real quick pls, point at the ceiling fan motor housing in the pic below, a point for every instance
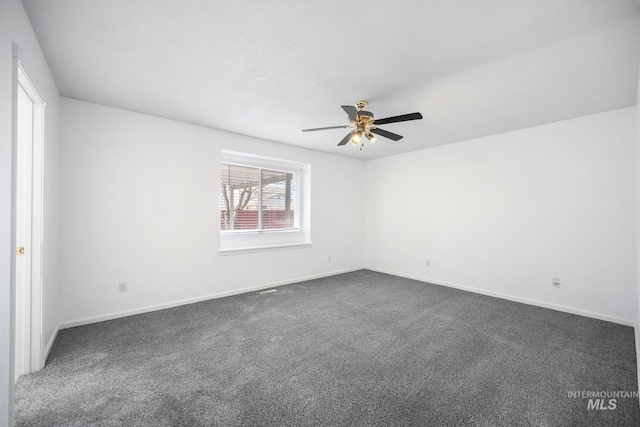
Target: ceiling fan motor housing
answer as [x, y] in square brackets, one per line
[365, 118]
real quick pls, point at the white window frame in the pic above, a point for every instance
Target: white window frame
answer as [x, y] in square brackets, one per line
[240, 241]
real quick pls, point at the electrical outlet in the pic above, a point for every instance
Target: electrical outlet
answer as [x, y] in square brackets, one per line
[427, 263]
[122, 287]
[555, 283]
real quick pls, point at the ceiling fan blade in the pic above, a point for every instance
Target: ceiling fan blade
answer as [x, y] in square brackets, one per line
[387, 134]
[351, 111]
[330, 127]
[346, 139]
[395, 119]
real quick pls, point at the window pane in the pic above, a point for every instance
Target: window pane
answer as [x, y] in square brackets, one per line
[239, 198]
[278, 196]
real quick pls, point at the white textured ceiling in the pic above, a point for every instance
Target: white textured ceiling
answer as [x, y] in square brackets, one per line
[271, 68]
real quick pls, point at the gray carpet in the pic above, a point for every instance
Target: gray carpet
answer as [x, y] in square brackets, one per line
[362, 348]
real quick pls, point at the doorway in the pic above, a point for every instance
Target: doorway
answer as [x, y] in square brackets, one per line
[29, 127]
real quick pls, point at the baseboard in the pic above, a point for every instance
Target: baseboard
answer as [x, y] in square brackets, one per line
[49, 345]
[150, 308]
[514, 298]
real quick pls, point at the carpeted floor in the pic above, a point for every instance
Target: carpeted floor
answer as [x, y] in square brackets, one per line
[361, 348]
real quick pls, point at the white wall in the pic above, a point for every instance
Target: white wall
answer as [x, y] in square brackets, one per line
[504, 214]
[140, 205]
[15, 28]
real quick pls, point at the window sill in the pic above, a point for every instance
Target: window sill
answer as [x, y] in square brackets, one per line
[235, 251]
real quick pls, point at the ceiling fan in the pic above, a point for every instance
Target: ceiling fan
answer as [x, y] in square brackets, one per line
[363, 124]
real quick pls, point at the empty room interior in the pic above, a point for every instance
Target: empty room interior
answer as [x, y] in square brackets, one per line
[218, 213]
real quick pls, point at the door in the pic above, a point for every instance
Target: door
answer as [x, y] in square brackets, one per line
[29, 184]
[23, 232]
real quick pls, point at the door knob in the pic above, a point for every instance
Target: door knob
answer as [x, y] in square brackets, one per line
[20, 250]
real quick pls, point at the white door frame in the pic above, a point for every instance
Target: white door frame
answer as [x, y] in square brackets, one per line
[29, 298]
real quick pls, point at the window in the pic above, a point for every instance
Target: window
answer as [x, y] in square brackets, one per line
[257, 199]
[264, 203]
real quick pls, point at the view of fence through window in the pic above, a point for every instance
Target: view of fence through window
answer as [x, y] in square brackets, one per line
[253, 198]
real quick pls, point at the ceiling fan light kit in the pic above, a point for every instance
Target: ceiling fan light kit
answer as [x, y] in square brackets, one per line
[364, 123]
